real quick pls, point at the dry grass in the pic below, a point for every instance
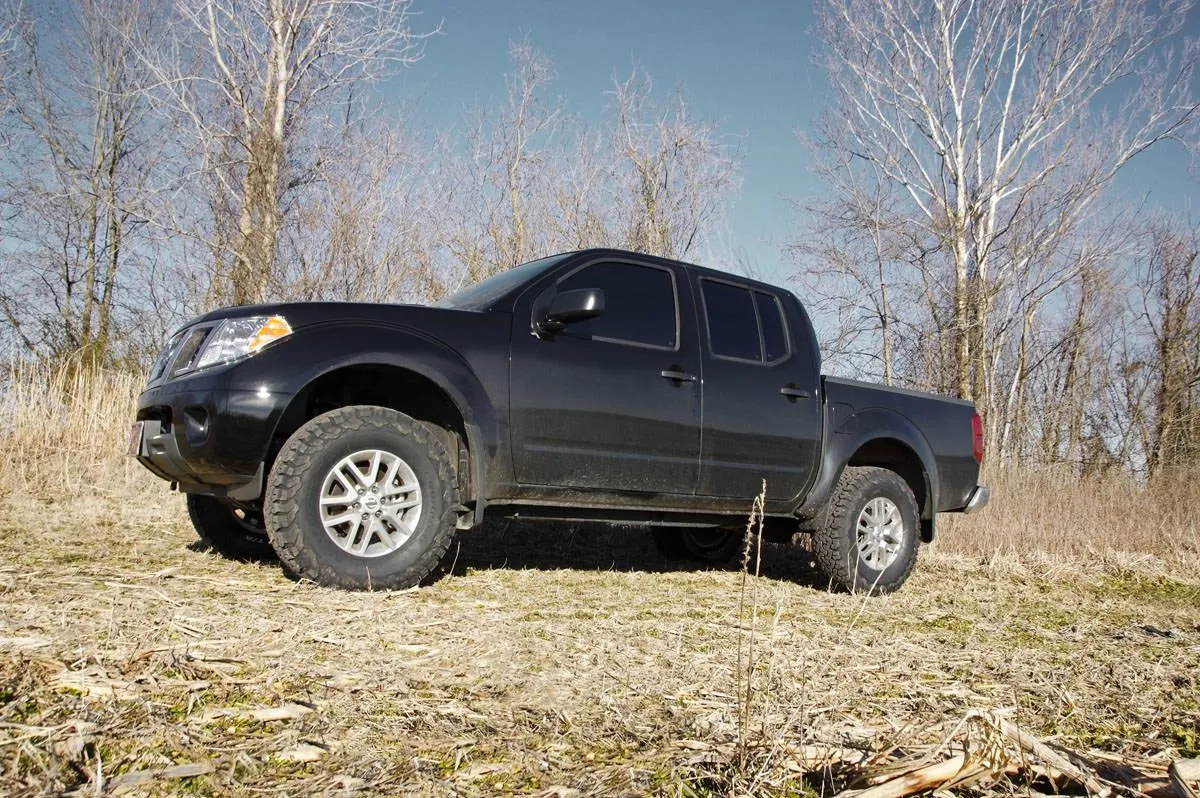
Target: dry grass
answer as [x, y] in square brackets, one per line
[55, 422]
[1044, 517]
[552, 659]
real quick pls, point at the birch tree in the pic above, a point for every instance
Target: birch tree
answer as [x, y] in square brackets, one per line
[999, 125]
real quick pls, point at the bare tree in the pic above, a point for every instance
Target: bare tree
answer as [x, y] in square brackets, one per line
[368, 227]
[501, 176]
[678, 174]
[1169, 283]
[10, 15]
[258, 81]
[75, 186]
[530, 179]
[998, 126]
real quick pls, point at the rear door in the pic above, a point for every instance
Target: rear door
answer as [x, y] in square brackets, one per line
[761, 412]
[611, 403]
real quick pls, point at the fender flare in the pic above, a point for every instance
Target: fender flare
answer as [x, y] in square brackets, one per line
[854, 431]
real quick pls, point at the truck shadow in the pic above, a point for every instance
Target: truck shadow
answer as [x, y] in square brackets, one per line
[552, 546]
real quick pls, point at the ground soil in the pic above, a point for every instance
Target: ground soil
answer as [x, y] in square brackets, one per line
[552, 660]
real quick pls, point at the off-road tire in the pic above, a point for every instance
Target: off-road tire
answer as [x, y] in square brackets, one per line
[294, 489]
[835, 544]
[232, 532]
[717, 545]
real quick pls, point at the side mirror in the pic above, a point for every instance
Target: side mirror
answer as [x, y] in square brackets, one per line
[572, 306]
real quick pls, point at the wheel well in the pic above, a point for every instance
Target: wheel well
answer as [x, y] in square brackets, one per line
[895, 456]
[385, 386]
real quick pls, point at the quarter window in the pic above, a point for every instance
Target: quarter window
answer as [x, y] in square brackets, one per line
[639, 304]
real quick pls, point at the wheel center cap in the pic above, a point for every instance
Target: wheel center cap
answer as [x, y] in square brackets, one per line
[370, 503]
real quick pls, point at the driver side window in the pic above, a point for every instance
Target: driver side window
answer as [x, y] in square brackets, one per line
[639, 305]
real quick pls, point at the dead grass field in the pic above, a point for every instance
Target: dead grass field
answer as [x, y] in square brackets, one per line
[563, 660]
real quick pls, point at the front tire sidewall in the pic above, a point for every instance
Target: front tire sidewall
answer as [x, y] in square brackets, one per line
[294, 489]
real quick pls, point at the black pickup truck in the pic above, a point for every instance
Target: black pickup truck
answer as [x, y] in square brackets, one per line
[352, 440]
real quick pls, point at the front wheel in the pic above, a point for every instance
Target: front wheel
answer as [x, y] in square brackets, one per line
[869, 541]
[362, 498]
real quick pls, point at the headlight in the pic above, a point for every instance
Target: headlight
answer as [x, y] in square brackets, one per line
[234, 339]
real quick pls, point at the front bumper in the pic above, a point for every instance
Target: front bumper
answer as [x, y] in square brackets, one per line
[978, 499]
[208, 440]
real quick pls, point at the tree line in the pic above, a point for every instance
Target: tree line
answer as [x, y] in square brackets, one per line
[165, 157]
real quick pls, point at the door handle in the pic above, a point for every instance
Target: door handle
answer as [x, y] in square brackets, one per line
[678, 376]
[794, 393]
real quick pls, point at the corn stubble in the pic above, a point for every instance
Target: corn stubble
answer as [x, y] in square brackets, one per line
[1051, 644]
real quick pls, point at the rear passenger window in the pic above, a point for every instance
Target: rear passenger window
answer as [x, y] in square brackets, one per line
[639, 304]
[770, 316]
[744, 324]
[732, 326]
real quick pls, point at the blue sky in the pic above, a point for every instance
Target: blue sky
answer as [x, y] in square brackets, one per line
[745, 65]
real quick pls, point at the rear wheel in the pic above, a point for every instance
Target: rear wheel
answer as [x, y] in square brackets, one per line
[700, 544]
[362, 498]
[232, 531]
[869, 541]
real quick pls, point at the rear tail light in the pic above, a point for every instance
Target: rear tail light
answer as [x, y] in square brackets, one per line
[977, 437]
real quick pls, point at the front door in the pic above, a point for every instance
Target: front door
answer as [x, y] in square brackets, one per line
[611, 403]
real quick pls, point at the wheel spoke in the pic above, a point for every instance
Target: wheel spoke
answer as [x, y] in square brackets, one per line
[403, 528]
[389, 477]
[383, 533]
[880, 533]
[359, 476]
[341, 519]
[352, 532]
[346, 484]
[399, 490]
[368, 534]
[373, 472]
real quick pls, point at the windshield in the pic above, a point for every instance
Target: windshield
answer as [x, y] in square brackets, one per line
[484, 294]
